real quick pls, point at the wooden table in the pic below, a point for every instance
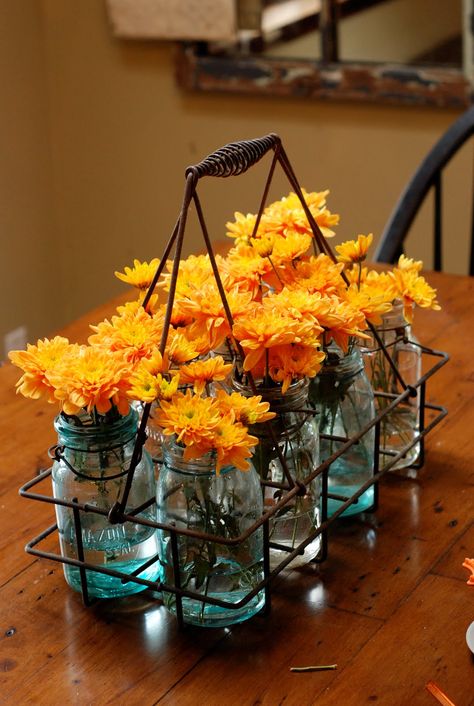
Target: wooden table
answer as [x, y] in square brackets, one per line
[390, 606]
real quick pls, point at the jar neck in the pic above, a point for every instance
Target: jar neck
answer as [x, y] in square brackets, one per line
[294, 399]
[342, 365]
[82, 433]
[173, 458]
[394, 319]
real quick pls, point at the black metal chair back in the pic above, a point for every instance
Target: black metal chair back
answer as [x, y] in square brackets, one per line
[428, 175]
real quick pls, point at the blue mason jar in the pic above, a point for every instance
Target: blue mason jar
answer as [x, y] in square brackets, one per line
[343, 396]
[399, 427]
[296, 433]
[192, 496]
[91, 467]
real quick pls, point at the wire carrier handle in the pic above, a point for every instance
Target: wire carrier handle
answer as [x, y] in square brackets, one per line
[235, 158]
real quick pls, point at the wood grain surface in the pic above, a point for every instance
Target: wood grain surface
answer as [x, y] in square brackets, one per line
[390, 606]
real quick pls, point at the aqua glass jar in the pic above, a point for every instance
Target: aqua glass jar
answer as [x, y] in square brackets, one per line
[296, 431]
[398, 427]
[343, 396]
[154, 440]
[91, 468]
[192, 496]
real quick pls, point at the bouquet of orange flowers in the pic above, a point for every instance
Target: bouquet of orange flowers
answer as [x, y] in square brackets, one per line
[402, 288]
[310, 310]
[287, 306]
[125, 363]
[122, 363]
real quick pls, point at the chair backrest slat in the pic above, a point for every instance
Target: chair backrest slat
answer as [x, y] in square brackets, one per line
[427, 175]
[438, 223]
[471, 259]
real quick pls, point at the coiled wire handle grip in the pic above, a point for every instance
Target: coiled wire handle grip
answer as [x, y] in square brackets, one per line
[235, 158]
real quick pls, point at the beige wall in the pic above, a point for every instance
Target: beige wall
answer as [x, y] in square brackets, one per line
[26, 226]
[122, 134]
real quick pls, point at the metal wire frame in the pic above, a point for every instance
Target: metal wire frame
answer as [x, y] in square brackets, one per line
[232, 160]
[264, 521]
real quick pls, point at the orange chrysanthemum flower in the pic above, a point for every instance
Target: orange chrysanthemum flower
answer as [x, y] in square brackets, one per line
[326, 221]
[141, 274]
[36, 362]
[331, 315]
[148, 387]
[92, 377]
[293, 362]
[413, 289]
[242, 228]
[406, 263]
[299, 304]
[266, 328]
[129, 308]
[315, 274]
[376, 283]
[287, 215]
[201, 344]
[263, 245]
[232, 444]
[134, 333]
[288, 249]
[247, 410]
[371, 302]
[208, 424]
[245, 269]
[148, 381]
[191, 418]
[202, 372]
[341, 321]
[469, 564]
[353, 251]
[156, 363]
[358, 275]
[194, 272]
[178, 318]
[209, 314]
[379, 284]
[180, 349]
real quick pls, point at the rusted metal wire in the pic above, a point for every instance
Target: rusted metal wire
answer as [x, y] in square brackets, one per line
[322, 468]
[235, 158]
[174, 532]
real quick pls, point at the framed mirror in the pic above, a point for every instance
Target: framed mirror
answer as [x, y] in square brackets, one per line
[413, 52]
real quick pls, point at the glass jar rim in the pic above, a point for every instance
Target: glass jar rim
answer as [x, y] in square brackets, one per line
[395, 318]
[173, 455]
[295, 396]
[106, 435]
[347, 365]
